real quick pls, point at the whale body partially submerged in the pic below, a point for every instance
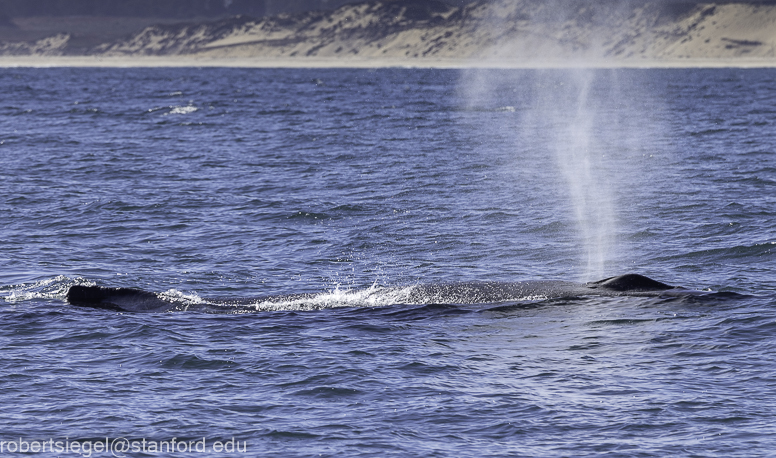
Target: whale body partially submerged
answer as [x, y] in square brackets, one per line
[136, 300]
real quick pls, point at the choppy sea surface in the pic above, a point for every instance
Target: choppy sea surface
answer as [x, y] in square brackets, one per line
[195, 183]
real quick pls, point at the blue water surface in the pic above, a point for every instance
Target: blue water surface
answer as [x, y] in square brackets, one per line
[225, 182]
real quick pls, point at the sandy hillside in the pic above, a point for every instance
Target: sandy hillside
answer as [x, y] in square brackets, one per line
[500, 32]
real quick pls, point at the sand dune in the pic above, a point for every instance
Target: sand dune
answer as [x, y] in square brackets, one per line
[499, 33]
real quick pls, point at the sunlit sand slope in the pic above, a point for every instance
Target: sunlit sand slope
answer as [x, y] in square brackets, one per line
[526, 31]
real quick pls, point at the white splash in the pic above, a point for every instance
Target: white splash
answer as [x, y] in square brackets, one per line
[183, 110]
[50, 288]
[374, 296]
[173, 295]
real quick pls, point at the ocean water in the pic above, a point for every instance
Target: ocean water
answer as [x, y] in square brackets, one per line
[195, 183]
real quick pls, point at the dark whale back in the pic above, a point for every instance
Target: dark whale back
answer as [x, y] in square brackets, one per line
[630, 282]
[136, 300]
[120, 299]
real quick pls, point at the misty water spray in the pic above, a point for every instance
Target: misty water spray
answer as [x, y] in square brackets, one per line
[582, 161]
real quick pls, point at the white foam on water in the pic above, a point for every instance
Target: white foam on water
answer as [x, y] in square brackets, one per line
[374, 296]
[50, 288]
[173, 295]
[183, 110]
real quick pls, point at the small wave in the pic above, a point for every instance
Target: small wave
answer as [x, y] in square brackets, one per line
[420, 312]
[174, 109]
[710, 297]
[734, 252]
[478, 109]
[308, 215]
[708, 132]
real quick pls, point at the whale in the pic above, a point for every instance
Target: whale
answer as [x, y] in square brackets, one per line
[125, 299]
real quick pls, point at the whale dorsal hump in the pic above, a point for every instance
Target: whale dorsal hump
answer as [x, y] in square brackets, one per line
[121, 299]
[630, 282]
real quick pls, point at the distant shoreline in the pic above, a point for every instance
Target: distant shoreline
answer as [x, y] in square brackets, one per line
[495, 34]
[318, 62]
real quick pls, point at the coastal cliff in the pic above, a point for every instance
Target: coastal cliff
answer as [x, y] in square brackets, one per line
[494, 31]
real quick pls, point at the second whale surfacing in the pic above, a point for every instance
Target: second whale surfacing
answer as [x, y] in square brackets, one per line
[136, 300]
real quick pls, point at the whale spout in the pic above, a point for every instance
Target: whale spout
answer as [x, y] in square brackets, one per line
[630, 282]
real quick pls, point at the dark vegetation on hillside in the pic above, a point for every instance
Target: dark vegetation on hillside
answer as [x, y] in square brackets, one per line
[218, 8]
[159, 8]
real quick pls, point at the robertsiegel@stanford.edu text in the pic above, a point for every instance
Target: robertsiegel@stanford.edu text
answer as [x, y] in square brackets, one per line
[119, 446]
